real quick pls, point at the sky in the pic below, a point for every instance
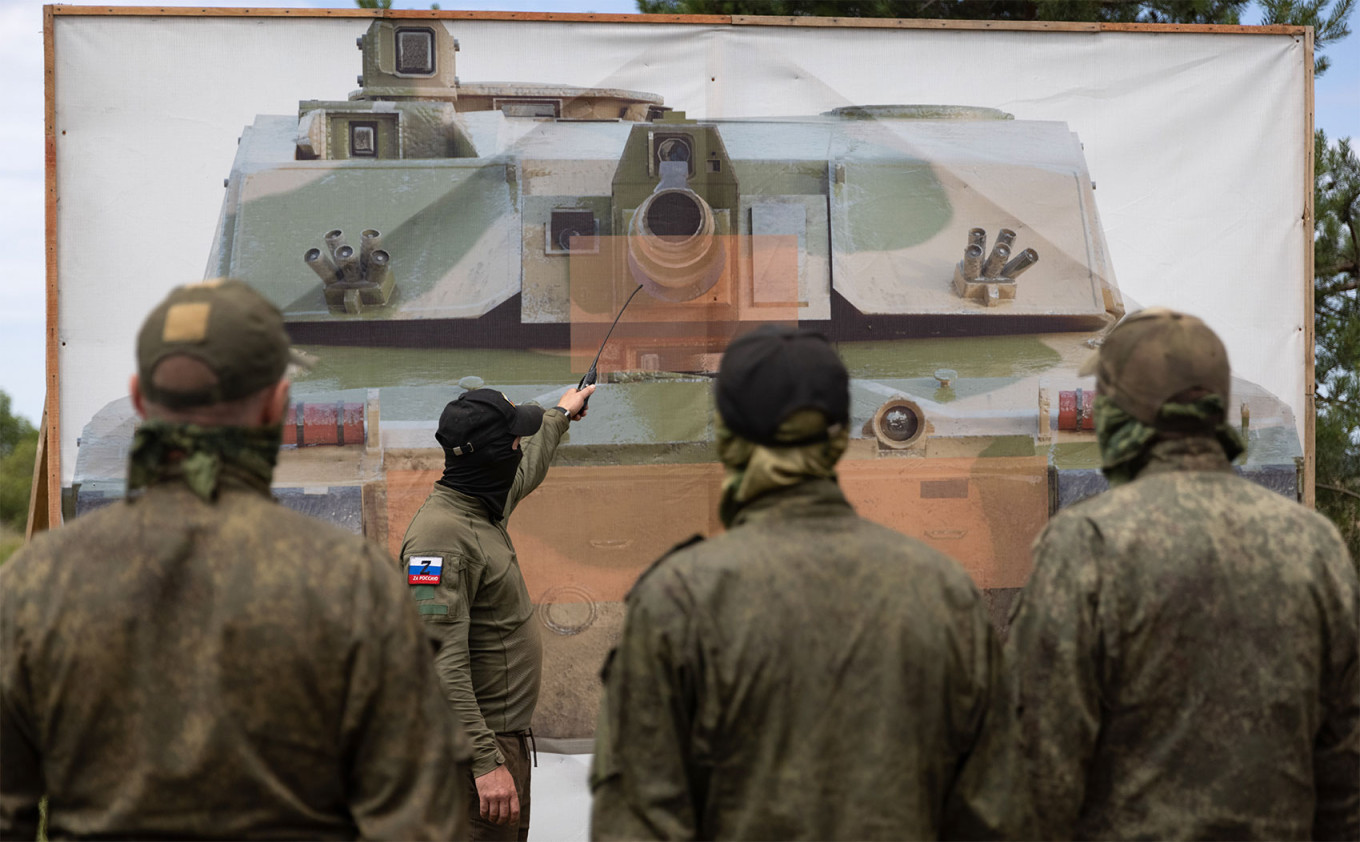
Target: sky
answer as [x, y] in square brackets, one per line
[22, 261]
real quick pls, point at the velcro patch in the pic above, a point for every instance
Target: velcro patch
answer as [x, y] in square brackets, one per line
[186, 322]
[424, 569]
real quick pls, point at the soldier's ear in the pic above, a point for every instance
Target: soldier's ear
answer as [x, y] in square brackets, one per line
[275, 408]
[138, 402]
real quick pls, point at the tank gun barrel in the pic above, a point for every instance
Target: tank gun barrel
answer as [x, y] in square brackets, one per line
[673, 249]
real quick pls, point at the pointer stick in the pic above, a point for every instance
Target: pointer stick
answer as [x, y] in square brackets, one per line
[592, 374]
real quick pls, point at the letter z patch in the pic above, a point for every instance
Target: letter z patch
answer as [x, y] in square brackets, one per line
[424, 569]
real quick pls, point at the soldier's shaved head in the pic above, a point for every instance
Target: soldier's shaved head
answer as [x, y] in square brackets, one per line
[185, 375]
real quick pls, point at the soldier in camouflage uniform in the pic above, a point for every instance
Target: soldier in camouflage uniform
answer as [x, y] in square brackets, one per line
[1185, 651]
[466, 580]
[197, 660]
[808, 674]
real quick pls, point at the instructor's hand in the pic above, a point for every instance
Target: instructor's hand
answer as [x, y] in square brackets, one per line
[574, 402]
[500, 802]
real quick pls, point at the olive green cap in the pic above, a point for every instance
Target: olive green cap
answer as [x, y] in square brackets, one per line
[225, 325]
[1154, 355]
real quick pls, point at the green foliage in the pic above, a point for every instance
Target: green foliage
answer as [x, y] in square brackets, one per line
[10, 542]
[18, 450]
[16, 481]
[1328, 26]
[1327, 17]
[1336, 323]
[1162, 11]
[13, 429]
[384, 4]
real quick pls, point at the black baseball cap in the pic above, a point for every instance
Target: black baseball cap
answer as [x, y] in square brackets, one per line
[480, 415]
[771, 373]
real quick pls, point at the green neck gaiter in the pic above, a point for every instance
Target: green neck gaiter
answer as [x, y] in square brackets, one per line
[200, 456]
[752, 469]
[1124, 440]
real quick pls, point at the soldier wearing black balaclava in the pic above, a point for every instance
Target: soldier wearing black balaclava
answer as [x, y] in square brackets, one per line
[1187, 650]
[808, 674]
[467, 584]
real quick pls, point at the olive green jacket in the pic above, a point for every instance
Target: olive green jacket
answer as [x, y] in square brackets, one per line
[173, 668]
[806, 675]
[1185, 656]
[488, 653]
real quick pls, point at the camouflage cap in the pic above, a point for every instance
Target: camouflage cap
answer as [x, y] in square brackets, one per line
[1154, 355]
[225, 325]
[772, 372]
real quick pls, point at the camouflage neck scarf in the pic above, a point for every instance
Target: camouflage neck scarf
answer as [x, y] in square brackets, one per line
[200, 456]
[752, 470]
[1125, 441]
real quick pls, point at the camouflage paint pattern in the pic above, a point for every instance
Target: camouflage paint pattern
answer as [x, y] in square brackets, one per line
[489, 656]
[1185, 658]
[806, 675]
[176, 668]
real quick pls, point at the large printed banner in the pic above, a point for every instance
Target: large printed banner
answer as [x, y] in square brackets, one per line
[514, 202]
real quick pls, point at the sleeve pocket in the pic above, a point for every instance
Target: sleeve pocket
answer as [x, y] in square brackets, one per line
[434, 578]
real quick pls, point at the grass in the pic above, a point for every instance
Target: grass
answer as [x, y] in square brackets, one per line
[10, 541]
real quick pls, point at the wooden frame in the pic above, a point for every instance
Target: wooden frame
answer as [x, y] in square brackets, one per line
[52, 426]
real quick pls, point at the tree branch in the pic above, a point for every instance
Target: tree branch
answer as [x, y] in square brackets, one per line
[1331, 400]
[1338, 489]
[1336, 268]
[1343, 286]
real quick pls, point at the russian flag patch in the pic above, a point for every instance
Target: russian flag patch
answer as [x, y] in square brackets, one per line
[424, 569]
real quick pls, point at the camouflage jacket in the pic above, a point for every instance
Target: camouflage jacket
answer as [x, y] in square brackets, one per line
[489, 656]
[806, 675]
[1185, 658]
[174, 668]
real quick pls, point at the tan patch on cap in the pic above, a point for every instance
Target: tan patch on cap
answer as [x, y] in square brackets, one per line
[187, 322]
[210, 284]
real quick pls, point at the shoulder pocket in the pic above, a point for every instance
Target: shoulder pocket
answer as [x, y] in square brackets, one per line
[434, 579]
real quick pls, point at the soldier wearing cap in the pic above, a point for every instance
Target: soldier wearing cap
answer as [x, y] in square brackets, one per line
[467, 584]
[198, 661]
[808, 674]
[1186, 650]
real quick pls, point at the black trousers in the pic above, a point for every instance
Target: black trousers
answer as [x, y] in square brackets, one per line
[514, 748]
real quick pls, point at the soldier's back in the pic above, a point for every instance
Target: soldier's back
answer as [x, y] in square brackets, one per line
[195, 669]
[1227, 628]
[842, 672]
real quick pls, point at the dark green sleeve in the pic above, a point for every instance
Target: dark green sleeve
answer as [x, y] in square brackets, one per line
[539, 450]
[644, 785]
[988, 798]
[21, 779]
[1054, 651]
[398, 734]
[445, 610]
